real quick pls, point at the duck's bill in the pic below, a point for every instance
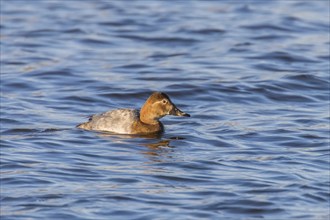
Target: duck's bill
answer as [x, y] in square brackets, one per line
[178, 112]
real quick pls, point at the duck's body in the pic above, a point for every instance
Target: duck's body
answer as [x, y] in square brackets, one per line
[133, 121]
[121, 121]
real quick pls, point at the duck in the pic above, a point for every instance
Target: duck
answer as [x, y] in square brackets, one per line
[134, 121]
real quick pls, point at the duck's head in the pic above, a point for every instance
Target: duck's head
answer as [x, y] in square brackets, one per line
[157, 106]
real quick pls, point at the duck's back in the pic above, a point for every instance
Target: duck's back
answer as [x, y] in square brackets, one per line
[119, 121]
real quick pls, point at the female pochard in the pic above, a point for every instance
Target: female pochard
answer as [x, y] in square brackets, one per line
[133, 121]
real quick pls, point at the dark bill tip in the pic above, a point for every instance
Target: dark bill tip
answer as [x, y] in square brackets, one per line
[178, 112]
[185, 114]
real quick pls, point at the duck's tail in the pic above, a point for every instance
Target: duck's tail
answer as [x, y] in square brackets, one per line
[85, 126]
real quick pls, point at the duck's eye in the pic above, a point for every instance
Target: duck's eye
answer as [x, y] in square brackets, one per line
[164, 101]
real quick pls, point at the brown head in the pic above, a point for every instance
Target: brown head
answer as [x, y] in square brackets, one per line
[157, 106]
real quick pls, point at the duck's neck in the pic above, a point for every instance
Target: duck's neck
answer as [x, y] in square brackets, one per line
[147, 117]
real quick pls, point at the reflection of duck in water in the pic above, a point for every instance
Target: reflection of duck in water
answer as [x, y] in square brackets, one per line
[157, 145]
[161, 148]
[133, 121]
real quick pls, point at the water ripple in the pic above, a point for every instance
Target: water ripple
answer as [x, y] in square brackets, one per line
[254, 77]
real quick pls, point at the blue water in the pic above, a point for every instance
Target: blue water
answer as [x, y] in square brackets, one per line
[254, 75]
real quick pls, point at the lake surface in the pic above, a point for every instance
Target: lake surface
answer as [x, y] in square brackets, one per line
[254, 76]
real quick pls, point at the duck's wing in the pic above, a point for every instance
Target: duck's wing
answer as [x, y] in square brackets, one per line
[118, 121]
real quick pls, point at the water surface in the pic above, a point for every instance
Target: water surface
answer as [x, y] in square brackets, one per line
[253, 75]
